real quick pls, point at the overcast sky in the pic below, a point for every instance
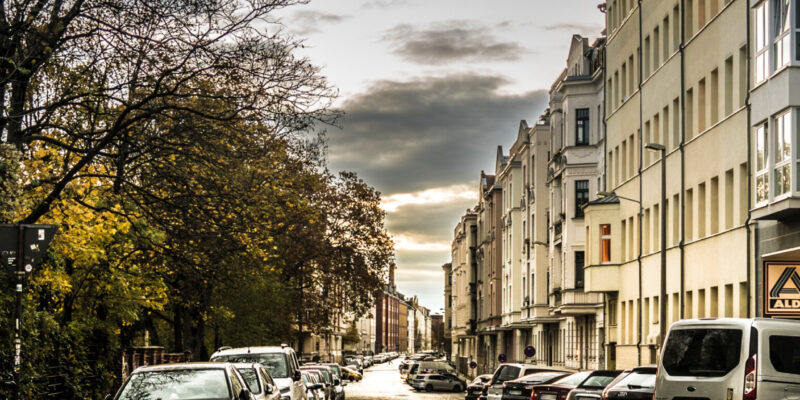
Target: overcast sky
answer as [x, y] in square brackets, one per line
[430, 88]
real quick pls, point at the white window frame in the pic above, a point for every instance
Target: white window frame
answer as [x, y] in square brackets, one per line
[782, 42]
[783, 160]
[761, 40]
[762, 163]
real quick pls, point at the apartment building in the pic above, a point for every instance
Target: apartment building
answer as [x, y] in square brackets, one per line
[463, 275]
[448, 300]
[490, 270]
[775, 155]
[676, 79]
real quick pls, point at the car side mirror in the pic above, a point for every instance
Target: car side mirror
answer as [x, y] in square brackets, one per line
[244, 394]
[267, 388]
[336, 382]
[297, 376]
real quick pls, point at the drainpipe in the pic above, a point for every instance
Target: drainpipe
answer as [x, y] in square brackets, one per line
[750, 233]
[682, 241]
[639, 253]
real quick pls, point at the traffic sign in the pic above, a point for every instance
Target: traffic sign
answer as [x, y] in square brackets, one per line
[530, 351]
[36, 241]
[501, 358]
[473, 365]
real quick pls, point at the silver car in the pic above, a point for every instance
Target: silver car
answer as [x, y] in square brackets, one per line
[258, 381]
[431, 382]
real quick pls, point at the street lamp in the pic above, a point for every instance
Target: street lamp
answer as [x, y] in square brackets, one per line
[662, 312]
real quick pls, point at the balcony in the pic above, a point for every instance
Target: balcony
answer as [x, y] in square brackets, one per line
[602, 278]
[576, 302]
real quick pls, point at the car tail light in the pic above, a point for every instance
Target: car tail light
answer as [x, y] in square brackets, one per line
[534, 396]
[750, 378]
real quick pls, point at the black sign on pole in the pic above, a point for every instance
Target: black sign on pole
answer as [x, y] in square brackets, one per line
[21, 249]
[530, 351]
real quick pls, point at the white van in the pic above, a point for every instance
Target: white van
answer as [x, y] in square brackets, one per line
[724, 359]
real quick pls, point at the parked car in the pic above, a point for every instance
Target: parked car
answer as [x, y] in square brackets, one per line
[509, 372]
[280, 361]
[636, 384]
[593, 386]
[314, 389]
[258, 381]
[326, 378]
[319, 377]
[731, 358]
[339, 382]
[444, 382]
[351, 374]
[520, 388]
[475, 387]
[559, 389]
[181, 381]
[429, 367]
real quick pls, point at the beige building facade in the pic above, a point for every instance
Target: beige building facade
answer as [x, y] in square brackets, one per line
[464, 280]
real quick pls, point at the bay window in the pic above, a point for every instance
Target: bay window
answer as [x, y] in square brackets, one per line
[762, 169]
[781, 27]
[761, 38]
[783, 154]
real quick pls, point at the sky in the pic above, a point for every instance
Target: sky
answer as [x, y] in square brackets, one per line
[429, 89]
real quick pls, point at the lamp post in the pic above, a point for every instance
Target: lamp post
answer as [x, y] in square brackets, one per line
[662, 312]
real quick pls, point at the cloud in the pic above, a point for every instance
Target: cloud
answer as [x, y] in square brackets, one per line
[584, 29]
[384, 3]
[427, 197]
[305, 22]
[435, 132]
[447, 42]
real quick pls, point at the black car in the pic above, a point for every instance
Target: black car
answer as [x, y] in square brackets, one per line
[475, 388]
[520, 389]
[594, 385]
[638, 385]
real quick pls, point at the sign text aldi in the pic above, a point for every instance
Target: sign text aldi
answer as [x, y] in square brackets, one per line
[782, 289]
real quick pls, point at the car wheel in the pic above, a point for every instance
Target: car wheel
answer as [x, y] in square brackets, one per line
[457, 388]
[429, 388]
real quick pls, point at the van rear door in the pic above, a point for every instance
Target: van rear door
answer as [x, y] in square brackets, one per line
[703, 361]
[779, 363]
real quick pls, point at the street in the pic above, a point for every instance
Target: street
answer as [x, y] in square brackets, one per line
[383, 381]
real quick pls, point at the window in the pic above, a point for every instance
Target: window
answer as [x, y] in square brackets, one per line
[785, 353]
[579, 263]
[581, 197]
[605, 243]
[780, 30]
[582, 127]
[702, 352]
[762, 172]
[783, 153]
[762, 50]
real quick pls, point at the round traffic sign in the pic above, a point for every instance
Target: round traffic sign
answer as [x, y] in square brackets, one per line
[28, 268]
[473, 365]
[501, 358]
[530, 351]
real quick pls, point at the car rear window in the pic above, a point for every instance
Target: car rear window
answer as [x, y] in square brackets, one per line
[506, 373]
[573, 380]
[540, 377]
[702, 352]
[177, 384]
[637, 380]
[275, 363]
[784, 353]
[597, 382]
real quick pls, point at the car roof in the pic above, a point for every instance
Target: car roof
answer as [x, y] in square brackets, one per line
[183, 366]
[737, 322]
[253, 350]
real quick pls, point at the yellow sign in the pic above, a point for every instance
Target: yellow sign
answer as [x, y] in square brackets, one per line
[782, 289]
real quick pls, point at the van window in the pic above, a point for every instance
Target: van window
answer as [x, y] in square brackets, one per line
[784, 353]
[702, 352]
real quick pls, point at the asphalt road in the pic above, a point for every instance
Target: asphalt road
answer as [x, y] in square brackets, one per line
[383, 382]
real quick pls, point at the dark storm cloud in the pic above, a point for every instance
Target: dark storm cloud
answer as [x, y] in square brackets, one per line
[428, 222]
[307, 21]
[451, 41]
[405, 136]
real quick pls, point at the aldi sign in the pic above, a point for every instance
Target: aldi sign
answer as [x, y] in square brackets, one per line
[782, 289]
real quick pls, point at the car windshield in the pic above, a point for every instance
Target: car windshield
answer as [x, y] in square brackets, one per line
[336, 371]
[702, 352]
[506, 373]
[572, 380]
[480, 379]
[597, 382]
[275, 363]
[637, 381]
[249, 375]
[189, 384]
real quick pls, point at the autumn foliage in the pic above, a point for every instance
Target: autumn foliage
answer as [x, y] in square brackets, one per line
[175, 145]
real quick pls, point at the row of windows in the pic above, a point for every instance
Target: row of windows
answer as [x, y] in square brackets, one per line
[701, 12]
[698, 304]
[661, 42]
[703, 106]
[618, 10]
[622, 84]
